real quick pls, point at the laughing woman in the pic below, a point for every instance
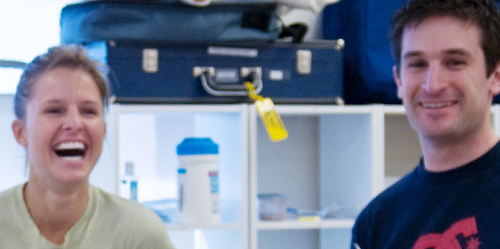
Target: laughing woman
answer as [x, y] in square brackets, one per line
[59, 107]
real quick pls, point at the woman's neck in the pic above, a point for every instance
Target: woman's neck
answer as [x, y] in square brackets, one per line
[55, 211]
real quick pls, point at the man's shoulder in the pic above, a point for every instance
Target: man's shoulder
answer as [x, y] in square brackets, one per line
[391, 198]
[400, 187]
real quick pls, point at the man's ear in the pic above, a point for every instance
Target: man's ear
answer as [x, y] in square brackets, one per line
[495, 81]
[20, 132]
[399, 84]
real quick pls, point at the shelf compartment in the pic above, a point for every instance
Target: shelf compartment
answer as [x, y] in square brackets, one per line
[148, 136]
[327, 159]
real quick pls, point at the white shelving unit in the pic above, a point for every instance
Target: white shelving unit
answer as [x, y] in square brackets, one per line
[342, 155]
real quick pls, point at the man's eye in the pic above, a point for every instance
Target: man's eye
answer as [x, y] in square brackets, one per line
[53, 110]
[417, 64]
[455, 63]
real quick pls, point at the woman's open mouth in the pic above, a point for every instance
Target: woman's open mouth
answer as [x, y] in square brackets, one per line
[70, 150]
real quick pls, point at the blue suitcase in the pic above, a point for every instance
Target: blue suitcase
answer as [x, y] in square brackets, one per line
[215, 73]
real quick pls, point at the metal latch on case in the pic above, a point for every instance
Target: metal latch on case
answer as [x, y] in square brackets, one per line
[304, 61]
[150, 60]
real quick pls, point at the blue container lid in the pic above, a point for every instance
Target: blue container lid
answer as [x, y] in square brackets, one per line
[197, 146]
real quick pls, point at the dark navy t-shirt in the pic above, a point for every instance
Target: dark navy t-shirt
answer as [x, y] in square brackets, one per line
[456, 209]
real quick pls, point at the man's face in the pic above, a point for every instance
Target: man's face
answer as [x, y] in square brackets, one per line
[443, 81]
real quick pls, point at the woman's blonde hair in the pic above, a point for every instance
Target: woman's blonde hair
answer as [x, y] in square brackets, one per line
[68, 56]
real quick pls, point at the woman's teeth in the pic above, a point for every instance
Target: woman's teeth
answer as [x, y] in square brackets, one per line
[70, 146]
[70, 150]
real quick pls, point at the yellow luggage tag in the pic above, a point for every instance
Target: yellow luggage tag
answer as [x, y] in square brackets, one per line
[270, 118]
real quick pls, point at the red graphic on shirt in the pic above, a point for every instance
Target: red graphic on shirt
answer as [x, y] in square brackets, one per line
[465, 229]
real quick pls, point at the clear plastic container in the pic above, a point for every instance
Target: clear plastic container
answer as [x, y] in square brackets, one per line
[272, 206]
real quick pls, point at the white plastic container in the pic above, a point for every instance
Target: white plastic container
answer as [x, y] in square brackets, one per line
[198, 181]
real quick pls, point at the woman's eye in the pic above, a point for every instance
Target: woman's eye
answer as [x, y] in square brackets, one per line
[89, 111]
[53, 110]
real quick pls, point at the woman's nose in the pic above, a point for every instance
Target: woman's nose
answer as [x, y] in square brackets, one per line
[73, 120]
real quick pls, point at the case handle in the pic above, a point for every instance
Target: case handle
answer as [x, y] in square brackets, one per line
[207, 75]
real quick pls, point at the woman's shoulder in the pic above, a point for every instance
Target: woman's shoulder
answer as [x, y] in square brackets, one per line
[115, 203]
[127, 210]
[137, 223]
[14, 210]
[11, 194]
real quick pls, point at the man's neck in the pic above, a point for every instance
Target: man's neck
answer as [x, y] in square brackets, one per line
[442, 156]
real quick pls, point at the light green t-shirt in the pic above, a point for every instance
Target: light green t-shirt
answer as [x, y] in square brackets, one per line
[109, 222]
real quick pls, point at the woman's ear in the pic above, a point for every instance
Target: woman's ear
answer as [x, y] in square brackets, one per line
[20, 132]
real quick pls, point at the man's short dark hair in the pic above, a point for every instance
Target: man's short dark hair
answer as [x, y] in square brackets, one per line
[484, 13]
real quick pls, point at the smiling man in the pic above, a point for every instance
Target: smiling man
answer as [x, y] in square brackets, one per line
[447, 72]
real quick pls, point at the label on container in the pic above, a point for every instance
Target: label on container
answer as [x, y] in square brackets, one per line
[182, 173]
[133, 190]
[128, 188]
[198, 186]
[214, 189]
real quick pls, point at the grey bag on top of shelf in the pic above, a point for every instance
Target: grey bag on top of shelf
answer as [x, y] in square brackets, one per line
[169, 21]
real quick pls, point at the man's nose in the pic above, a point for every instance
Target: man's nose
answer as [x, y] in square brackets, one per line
[434, 79]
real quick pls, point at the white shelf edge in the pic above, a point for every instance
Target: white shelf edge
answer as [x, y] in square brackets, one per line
[393, 109]
[197, 108]
[221, 226]
[281, 108]
[296, 225]
[322, 109]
